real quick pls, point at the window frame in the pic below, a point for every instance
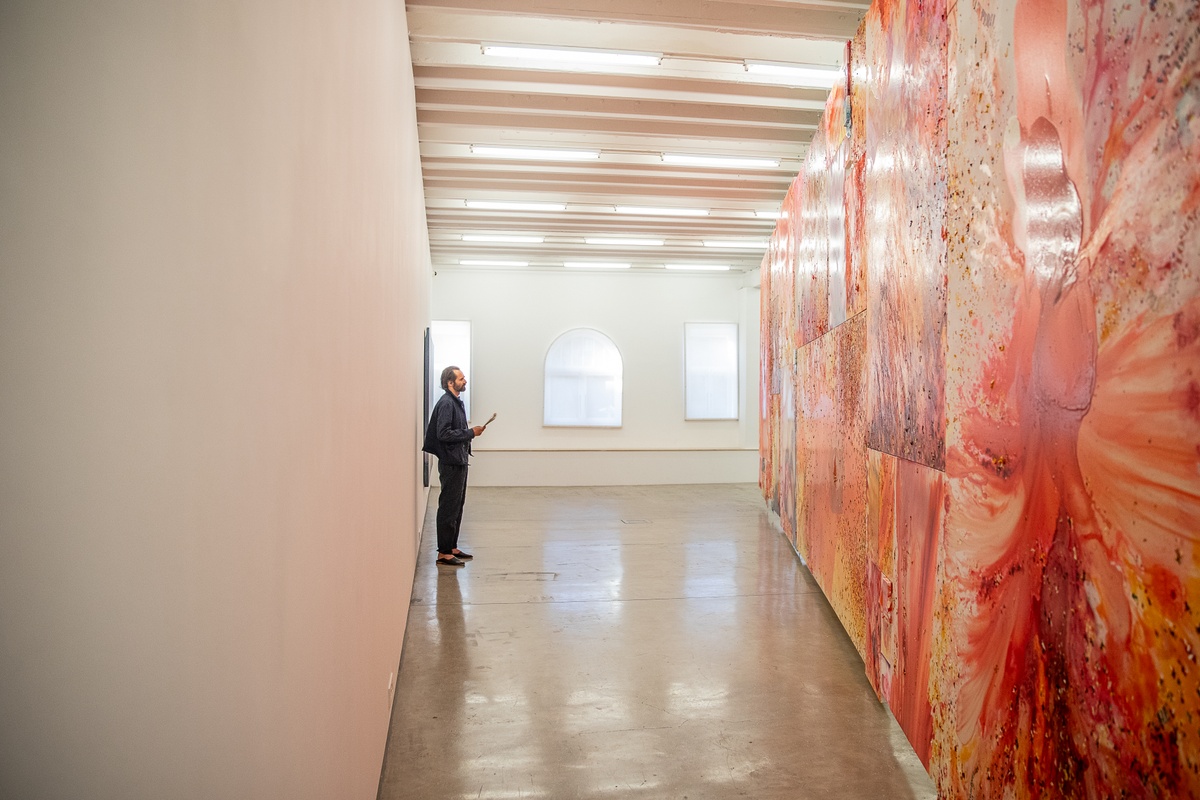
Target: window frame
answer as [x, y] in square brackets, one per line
[737, 373]
[620, 377]
[435, 369]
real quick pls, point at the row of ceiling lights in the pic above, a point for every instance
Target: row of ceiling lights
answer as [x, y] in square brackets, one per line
[487, 262]
[576, 154]
[801, 75]
[814, 76]
[581, 58]
[608, 241]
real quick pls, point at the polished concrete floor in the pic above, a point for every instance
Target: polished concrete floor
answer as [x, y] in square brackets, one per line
[632, 642]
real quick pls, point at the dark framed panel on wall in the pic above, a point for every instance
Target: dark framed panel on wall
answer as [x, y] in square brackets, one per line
[426, 382]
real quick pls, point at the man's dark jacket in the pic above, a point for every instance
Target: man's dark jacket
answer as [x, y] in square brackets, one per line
[448, 436]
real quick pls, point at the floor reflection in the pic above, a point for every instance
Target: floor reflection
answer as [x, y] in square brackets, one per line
[686, 655]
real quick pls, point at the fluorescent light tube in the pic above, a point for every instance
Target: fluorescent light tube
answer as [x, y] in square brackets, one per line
[740, 244]
[466, 262]
[595, 265]
[660, 211]
[534, 153]
[504, 205]
[719, 161]
[816, 77]
[502, 239]
[705, 267]
[623, 242]
[574, 56]
[769, 214]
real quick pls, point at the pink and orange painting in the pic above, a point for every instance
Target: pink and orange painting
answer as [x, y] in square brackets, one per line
[817, 440]
[1071, 597]
[854, 167]
[767, 368]
[904, 191]
[1004, 510]
[906, 503]
[832, 470]
[812, 246]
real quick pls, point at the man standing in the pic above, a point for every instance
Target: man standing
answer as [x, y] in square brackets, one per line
[449, 438]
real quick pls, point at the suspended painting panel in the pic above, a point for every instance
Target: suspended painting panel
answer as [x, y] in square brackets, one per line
[904, 201]
[828, 292]
[832, 470]
[1070, 603]
[906, 507]
[769, 371]
[855, 170]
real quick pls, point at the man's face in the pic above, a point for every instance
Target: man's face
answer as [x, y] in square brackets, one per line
[459, 383]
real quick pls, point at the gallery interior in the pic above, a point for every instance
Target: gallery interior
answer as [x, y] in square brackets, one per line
[844, 361]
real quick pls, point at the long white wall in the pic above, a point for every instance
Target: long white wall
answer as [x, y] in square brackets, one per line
[213, 283]
[515, 316]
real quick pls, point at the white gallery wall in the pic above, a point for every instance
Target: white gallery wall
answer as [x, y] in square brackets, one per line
[214, 280]
[515, 315]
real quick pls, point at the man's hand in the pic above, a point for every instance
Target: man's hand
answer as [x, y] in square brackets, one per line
[478, 429]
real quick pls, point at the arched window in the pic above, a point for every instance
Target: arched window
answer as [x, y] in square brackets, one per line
[583, 381]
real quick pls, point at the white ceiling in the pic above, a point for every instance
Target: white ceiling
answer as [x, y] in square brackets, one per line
[699, 100]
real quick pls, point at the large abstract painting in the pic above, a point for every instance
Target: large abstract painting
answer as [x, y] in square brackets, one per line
[904, 191]
[988, 328]
[1071, 581]
[832, 469]
[906, 504]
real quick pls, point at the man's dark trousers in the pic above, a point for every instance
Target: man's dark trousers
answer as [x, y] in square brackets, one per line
[450, 505]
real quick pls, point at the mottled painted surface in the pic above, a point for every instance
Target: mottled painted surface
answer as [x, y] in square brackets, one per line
[904, 196]
[1070, 601]
[768, 368]
[920, 509]
[905, 518]
[855, 172]
[881, 648]
[812, 247]
[785, 253]
[827, 291]
[816, 446]
[832, 470]
[1031, 612]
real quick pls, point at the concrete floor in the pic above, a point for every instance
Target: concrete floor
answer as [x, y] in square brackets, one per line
[632, 642]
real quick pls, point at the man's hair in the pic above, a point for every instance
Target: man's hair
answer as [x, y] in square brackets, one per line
[448, 375]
